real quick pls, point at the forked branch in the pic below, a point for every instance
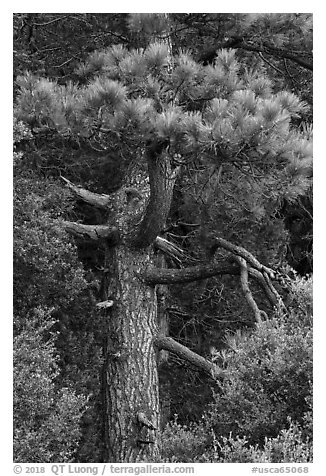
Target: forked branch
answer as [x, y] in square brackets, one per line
[245, 254]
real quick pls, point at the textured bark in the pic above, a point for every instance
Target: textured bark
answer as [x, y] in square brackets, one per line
[131, 378]
[162, 177]
[271, 293]
[187, 275]
[131, 386]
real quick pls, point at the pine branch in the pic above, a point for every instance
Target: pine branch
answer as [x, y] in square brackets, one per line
[92, 232]
[243, 253]
[246, 289]
[187, 275]
[278, 52]
[169, 344]
[95, 199]
[271, 293]
[258, 270]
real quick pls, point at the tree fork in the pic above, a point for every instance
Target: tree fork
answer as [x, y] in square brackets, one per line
[162, 177]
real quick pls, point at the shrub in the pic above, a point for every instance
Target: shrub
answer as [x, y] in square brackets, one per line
[262, 411]
[181, 443]
[46, 420]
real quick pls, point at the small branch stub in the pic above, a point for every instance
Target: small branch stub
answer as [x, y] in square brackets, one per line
[104, 304]
[144, 421]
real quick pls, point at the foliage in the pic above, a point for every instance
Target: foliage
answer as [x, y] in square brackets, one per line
[290, 446]
[263, 410]
[54, 43]
[183, 444]
[45, 261]
[49, 274]
[270, 379]
[46, 419]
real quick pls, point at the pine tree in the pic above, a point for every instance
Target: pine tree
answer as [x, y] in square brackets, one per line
[164, 116]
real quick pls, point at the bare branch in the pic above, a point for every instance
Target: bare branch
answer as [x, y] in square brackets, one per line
[51, 21]
[187, 275]
[260, 54]
[262, 273]
[170, 249]
[92, 232]
[104, 304]
[246, 290]
[167, 343]
[243, 253]
[278, 52]
[99, 200]
[271, 294]
[66, 62]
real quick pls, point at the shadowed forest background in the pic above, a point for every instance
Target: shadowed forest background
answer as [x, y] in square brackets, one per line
[162, 237]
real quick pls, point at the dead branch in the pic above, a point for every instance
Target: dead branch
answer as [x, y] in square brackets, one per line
[92, 232]
[167, 343]
[99, 200]
[188, 274]
[246, 289]
[243, 253]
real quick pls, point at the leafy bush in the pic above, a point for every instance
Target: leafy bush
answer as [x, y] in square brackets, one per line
[49, 275]
[289, 446]
[263, 409]
[192, 444]
[46, 419]
[270, 375]
[46, 267]
[182, 443]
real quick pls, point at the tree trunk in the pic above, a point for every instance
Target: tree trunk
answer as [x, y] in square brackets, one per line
[131, 377]
[131, 386]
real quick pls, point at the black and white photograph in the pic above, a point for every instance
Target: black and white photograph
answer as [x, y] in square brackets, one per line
[162, 241]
